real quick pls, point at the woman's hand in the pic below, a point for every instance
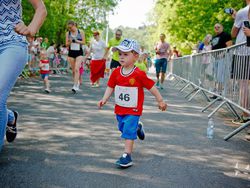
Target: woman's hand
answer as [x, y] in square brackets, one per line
[22, 29]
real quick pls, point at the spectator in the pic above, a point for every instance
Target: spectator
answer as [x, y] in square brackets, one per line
[207, 43]
[64, 55]
[241, 59]
[175, 52]
[141, 63]
[220, 40]
[200, 47]
[51, 54]
[30, 52]
[206, 65]
[45, 43]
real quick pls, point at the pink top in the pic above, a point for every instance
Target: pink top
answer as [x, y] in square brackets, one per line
[162, 50]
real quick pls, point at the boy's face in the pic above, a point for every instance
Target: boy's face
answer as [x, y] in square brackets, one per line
[43, 54]
[127, 58]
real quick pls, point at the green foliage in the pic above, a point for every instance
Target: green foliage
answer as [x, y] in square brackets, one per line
[187, 21]
[138, 34]
[89, 14]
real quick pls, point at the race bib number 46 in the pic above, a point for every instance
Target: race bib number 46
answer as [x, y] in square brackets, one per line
[126, 96]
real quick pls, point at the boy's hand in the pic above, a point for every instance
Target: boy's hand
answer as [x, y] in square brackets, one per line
[162, 105]
[101, 103]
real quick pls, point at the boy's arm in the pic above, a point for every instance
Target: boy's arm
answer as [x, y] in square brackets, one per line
[105, 97]
[161, 104]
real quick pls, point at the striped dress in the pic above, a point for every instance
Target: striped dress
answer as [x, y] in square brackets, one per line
[10, 15]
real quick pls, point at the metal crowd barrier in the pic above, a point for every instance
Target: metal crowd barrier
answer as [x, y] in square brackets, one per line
[223, 74]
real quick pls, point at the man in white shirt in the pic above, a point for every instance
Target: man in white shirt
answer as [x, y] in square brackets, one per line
[241, 58]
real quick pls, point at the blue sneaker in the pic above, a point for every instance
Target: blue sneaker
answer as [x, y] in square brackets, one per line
[140, 131]
[124, 161]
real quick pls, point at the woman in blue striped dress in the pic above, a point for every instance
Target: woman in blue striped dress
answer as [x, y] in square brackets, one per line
[13, 55]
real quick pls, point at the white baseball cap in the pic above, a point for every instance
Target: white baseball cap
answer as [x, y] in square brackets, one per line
[128, 45]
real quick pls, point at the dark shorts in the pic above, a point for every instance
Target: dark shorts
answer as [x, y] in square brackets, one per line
[114, 64]
[240, 67]
[161, 65]
[75, 53]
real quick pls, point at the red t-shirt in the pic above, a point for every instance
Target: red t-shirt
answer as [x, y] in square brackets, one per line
[129, 93]
[44, 69]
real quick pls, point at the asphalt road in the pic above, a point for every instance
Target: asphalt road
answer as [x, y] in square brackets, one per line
[65, 141]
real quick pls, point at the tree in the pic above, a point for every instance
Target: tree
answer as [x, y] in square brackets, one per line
[89, 14]
[187, 21]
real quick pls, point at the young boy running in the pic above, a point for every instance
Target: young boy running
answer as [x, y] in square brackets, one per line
[128, 82]
[44, 69]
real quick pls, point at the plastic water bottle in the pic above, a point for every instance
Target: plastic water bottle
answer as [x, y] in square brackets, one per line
[210, 128]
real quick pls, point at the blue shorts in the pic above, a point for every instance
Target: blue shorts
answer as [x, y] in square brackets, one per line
[161, 65]
[128, 124]
[44, 76]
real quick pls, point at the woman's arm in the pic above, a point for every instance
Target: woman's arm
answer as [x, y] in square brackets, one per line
[67, 42]
[37, 21]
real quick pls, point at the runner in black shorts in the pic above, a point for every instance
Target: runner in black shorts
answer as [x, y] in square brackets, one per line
[74, 40]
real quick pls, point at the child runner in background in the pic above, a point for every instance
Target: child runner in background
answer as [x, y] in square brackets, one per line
[44, 69]
[141, 63]
[85, 50]
[81, 71]
[107, 68]
[128, 82]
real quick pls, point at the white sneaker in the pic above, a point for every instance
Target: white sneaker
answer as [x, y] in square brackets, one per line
[74, 89]
[77, 87]
[47, 90]
[95, 85]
